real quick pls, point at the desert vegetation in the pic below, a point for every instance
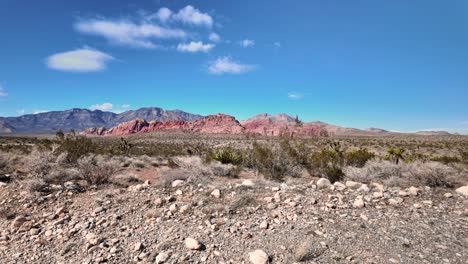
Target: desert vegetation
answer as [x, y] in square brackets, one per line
[223, 189]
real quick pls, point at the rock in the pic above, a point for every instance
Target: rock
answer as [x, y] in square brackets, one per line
[18, 222]
[359, 202]
[185, 208]
[216, 193]
[34, 231]
[258, 257]
[363, 189]
[48, 233]
[377, 195]
[99, 210]
[248, 183]
[92, 239]
[138, 246]
[275, 189]
[462, 190]
[378, 187]
[414, 191]
[173, 208]
[395, 201]
[162, 257]
[448, 195]
[323, 183]
[353, 185]
[339, 186]
[264, 225]
[193, 244]
[177, 183]
[403, 194]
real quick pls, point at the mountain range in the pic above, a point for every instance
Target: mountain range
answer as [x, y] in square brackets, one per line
[152, 119]
[80, 119]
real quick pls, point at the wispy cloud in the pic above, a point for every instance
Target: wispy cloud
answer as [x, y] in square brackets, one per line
[140, 35]
[295, 96]
[20, 112]
[277, 44]
[125, 106]
[247, 43]
[35, 112]
[191, 15]
[214, 37]
[226, 65]
[80, 60]
[3, 92]
[195, 47]
[102, 107]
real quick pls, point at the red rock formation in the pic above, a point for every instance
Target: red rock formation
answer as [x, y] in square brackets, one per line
[214, 124]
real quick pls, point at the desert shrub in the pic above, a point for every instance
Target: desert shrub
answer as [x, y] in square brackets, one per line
[59, 175]
[374, 170]
[40, 163]
[37, 185]
[96, 170]
[268, 161]
[168, 176]
[445, 159]
[358, 158]
[328, 163]
[4, 161]
[228, 155]
[464, 156]
[433, 174]
[76, 147]
[395, 154]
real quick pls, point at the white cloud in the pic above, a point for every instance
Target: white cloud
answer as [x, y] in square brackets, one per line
[247, 43]
[227, 65]
[80, 60]
[125, 106]
[195, 47]
[3, 92]
[295, 96]
[128, 33]
[102, 107]
[191, 15]
[214, 37]
[164, 14]
[35, 112]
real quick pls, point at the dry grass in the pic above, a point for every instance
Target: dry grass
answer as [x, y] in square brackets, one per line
[431, 174]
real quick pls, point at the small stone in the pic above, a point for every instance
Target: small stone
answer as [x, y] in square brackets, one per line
[364, 189]
[323, 183]
[34, 231]
[48, 233]
[173, 208]
[258, 257]
[179, 192]
[275, 189]
[18, 222]
[248, 183]
[177, 183]
[99, 210]
[264, 225]
[448, 195]
[414, 191]
[184, 209]
[138, 246]
[395, 201]
[403, 193]
[462, 190]
[216, 193]
[193, 244]
[162, 257]
[359, 202]
[353, 185]
[339, 186]
[377, 195]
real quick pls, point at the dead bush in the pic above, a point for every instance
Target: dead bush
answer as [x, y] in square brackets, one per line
[40, 163]
[433, 174]
[96, 170]
[168, 176]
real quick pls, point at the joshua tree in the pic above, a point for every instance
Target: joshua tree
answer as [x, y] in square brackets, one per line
[395, 154]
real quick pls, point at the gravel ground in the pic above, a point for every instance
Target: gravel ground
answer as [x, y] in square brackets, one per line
[234, 221]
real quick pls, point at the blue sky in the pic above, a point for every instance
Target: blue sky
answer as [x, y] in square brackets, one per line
[400, 65]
